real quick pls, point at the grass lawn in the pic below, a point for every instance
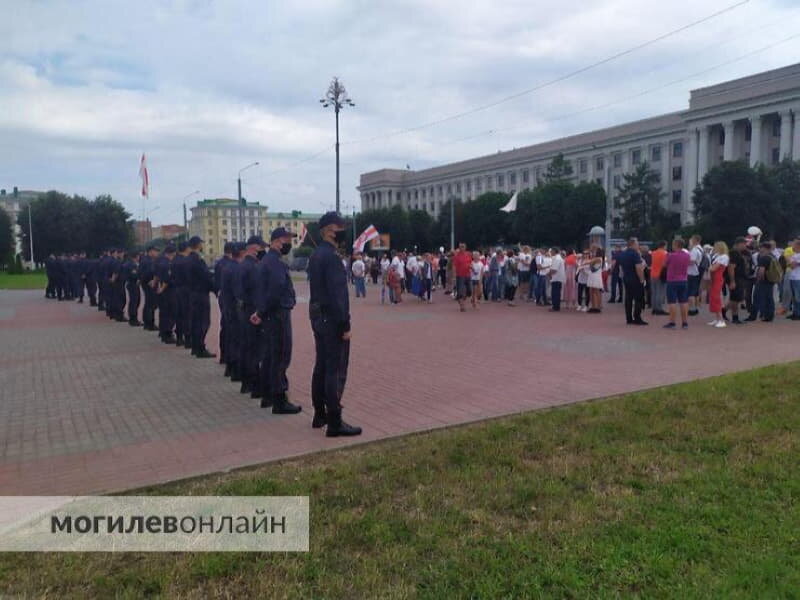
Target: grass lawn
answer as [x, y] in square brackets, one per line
[689, 491]
[25, 281]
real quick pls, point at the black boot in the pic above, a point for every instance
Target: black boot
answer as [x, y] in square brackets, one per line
[168, 339]
[319, 419]
[282, 406]
[338, 428]
[203, 353]
[245, 389]
[227, 371]
[266, 400]
[187, 343]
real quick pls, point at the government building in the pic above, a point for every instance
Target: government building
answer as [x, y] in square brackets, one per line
[754, 119]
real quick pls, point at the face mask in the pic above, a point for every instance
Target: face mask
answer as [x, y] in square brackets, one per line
[261, 254]
[286, 248]
[340, 236]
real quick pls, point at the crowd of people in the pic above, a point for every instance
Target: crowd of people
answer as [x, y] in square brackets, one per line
[256, 296]
[670, 279]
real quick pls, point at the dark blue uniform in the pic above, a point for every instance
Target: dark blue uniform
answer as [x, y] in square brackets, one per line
[50, 290]
[117, 292]
[275, 299]
[229, 343]
[244, 293]
[91, 280]
[103, 269]
[329, 311]
[218, 269]
[201, 284]
[166, 298]
[130, 274]
[147, 272]
[183, 309]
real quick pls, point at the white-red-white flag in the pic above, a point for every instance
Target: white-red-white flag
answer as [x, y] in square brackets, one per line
[145, 177]
[302, 235]
[370, 233]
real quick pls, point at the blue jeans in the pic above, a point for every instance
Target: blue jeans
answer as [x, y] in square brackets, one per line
[616, 281]
[541, 289]
[795, 283]
[494, 286]
[361, 289]
[532, 286]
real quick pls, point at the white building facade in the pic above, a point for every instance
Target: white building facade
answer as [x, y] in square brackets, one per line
[755, 119]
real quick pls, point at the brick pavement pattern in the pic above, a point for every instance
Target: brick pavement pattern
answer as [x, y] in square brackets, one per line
[89, 406]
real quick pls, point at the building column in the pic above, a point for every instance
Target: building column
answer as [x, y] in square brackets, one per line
[690, 176]
[755, 140]
[786, 134]
[702, 152]
[666, 173]
[796, 136]
[727, 151]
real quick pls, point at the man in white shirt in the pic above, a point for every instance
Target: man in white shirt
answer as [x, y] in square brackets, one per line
[558, 276]
[543, 263]
[524, 261]
[359, 273]
[793, 266]
[694, 274]
[400, 268]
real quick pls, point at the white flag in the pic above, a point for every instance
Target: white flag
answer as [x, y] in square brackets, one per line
[145, 177]
[512, 204]
[370, 233]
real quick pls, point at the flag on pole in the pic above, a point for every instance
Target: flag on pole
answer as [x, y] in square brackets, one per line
[370, 233]
[302, 235]
[512, 204]
[145, 177]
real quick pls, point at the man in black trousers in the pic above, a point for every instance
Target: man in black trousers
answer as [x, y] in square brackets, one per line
[201, 284]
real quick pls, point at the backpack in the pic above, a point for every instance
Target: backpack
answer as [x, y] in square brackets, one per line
[705, 262]
[774, 272]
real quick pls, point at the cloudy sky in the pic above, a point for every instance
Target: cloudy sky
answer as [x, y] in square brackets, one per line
[206, 87]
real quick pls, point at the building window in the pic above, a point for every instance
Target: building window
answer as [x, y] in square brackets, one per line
[617, 180]
[617, 222]
[500, 181]
[488, 182]
[722, 137]
[479, 185]
[599, 181]
[449, 189]
[416, 195]
[224, 232]
[525, 176]
[677, 149]
[676, 196]
[655, 153]
[776, 156]
[637, 157]
[776, 128]
[424, 193]
[617, 202]
[458, 188]
[512, 178]
[600, 163]
[440, 192]
[469, 185]
[677, 173]
[224, 221]
[617, 160]
[582, 166]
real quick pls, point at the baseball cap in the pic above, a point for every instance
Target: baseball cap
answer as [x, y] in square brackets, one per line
[256, 239]
[280, 232]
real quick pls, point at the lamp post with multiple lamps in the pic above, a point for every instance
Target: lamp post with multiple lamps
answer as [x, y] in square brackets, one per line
[242, 229]
[337, 97]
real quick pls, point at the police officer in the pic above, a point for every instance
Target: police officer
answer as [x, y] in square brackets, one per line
[117, 282]
[329, 311]
[201, 284]
[130, 273]
[165, 290]
[101, 273]
[244, 293]
[230, 318]
[275, 300]
[147, 273]
[180, 278]
[91, 280]
[50, 290]
[218, 270]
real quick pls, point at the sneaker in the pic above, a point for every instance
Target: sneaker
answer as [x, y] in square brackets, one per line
[669, 325]
[685, 326]
[712, 323]
[720, 324]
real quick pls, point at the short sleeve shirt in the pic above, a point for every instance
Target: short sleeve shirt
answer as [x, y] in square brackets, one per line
[628, 260]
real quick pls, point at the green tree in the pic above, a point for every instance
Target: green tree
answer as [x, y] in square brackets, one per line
[484, 224]
[558, 169]
[59, 225]
[640, 197]
[420, 224]
[785, 183]
[6, 239]
[107, 226]
[731, 197]
[584, 208]
[441, 228]
[549, 208]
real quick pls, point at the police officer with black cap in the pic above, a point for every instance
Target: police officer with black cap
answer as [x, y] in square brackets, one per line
[130, 273]
[244, 292]
[181, 267]
[329, 311]
[117, 287]
[275, 300]
[230, 315]
[218, 270]
[147, 273]
[201, 284]
[165, 290]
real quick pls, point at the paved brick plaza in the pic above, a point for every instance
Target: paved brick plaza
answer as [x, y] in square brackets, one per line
[88, 405]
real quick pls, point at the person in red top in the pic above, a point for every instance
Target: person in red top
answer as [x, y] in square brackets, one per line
[658, 285]
[462, 265]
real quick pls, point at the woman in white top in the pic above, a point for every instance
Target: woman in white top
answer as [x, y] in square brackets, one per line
[719, 265]
[583, 280]
[595, 281]
[476, 277]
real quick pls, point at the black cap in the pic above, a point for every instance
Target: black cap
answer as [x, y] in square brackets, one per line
[331, 218]
[169, 248]
[195, 240]
[182, 246]
[236, 249]
[151, 247]
[740, 240]
[228, 248]
[281, 232]
[256, 239]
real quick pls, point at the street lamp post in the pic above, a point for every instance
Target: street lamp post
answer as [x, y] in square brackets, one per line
[337, 97]
[242, 230]
[185, 224]
[30, 236]
[452, 223]
[149, 231]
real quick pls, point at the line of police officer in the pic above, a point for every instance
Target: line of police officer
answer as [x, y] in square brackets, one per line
[256, 297]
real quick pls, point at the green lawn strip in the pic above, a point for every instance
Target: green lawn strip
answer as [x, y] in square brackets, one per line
[23, 281]
[686, 491]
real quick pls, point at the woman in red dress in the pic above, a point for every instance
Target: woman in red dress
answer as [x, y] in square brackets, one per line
[719, 265]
